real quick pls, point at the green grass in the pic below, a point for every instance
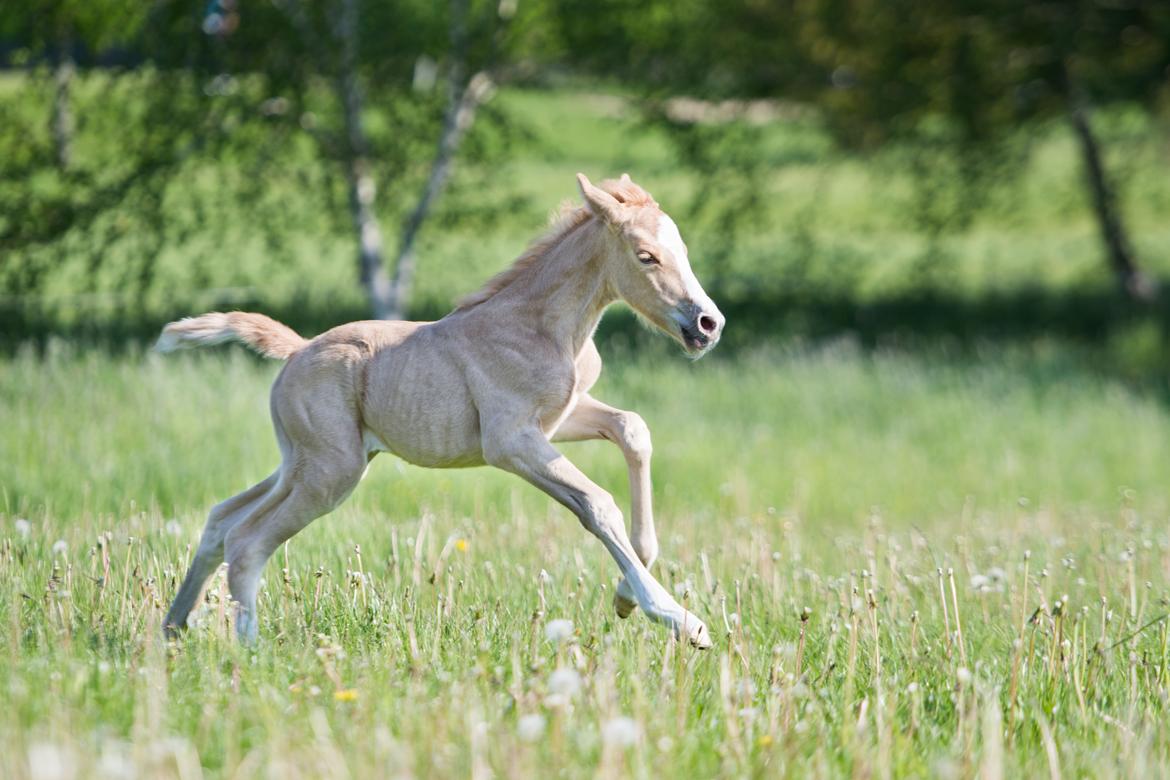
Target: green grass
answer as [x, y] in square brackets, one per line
[784, 479]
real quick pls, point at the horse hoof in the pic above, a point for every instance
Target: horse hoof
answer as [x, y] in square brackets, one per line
[623, 606]
[698, 636]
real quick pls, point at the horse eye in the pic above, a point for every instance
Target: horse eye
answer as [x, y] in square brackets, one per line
[647, 259]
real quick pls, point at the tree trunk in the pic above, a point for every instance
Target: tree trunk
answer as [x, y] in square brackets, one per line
[464, 99]
[1132, 281]
[460, 115]
[359, 182]
[61, 123]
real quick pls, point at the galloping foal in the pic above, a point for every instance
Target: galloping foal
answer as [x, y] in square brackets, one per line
[493, 382]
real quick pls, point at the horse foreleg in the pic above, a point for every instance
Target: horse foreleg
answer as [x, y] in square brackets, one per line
[592, 419]
[527, 453]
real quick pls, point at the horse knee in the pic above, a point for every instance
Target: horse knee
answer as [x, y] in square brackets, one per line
[634, 436]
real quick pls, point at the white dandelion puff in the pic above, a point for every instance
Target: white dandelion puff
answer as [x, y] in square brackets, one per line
[564, 682]
[557, 631]
[530, 727]
[621, 731]
[49, 762]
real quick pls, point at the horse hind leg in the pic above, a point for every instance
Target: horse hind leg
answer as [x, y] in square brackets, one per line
[209, 554]
[319, 486]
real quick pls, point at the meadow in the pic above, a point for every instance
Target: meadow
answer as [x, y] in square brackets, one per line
[912, 566]
[924, 557]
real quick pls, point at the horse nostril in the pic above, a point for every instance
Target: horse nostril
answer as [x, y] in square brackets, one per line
[707, 324]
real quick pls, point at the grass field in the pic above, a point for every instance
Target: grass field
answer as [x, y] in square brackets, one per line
[896, 496]
[944, 555]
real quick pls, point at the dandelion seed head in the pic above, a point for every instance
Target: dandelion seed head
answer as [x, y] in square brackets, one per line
[621, 732]
[557, 631]
[748, 713]
[23, 527]
[530, 727]
[49, 762]
[564, 682]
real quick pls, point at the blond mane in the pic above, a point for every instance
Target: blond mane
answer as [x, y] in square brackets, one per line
[564, 221]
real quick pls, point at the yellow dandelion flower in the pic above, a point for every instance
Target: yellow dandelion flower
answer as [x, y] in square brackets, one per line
[764, 741]
[461, 545]
[345, 694]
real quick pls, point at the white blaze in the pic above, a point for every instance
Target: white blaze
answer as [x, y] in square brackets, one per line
[669, 237]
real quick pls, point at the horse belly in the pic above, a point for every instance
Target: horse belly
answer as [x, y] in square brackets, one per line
[418, 408]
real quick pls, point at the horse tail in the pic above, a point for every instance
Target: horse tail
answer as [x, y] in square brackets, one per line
[263, 334]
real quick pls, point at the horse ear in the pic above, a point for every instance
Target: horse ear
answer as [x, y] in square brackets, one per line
[599, 201]
[625, 179]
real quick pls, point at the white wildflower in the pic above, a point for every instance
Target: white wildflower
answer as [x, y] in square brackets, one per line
[23, 527]
[530, 727]
[59, 547]
[557, 631]
[963, 675]
[174, 528]
[564, 682]
[621, 731]
[49, 762]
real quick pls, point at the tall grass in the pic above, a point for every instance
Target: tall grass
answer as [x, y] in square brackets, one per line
[912, 566]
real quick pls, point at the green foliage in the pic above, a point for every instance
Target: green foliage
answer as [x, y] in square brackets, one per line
[50, 26]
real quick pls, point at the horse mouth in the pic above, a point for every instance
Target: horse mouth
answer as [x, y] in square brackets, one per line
[694, 340]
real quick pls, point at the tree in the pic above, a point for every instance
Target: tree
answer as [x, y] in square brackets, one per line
[54, 30]
[986, 68]
[327, 86]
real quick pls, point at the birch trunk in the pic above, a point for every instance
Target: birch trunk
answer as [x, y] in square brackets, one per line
[359, 182]
[464, 99]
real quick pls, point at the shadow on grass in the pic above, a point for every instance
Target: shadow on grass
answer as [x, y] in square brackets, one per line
[1122, 337]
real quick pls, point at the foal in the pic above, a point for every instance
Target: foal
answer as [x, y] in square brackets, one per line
[493, 382]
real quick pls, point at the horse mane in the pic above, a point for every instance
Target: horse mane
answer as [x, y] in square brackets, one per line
[564, 221]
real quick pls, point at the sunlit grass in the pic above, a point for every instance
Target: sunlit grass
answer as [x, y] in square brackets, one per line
[910, 566]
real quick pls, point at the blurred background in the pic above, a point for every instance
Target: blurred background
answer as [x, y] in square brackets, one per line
[956, 173]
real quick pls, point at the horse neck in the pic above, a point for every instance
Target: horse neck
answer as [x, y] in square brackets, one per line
[564, 293]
